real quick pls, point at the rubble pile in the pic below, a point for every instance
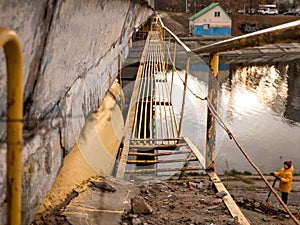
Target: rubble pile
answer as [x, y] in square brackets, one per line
[187, 203]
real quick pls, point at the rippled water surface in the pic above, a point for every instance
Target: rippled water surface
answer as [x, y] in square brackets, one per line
[261, 105]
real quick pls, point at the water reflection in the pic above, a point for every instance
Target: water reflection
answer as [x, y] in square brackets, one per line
[253, 87]
[262, 105]
[293, 99]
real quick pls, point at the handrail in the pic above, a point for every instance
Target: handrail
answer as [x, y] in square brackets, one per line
[14, 63]
[285, 33]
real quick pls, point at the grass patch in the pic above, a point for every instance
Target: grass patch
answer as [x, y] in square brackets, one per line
[240, 175]
[234, 172]
[195, 174]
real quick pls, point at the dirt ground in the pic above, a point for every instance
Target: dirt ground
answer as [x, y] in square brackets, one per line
[187, 203]
[251, 193]
[191, 201]
[197, 202]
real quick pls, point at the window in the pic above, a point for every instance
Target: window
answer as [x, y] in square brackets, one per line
[206, 26]
[217, 14]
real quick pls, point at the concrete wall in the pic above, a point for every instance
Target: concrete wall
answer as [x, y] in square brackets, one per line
[70, 60]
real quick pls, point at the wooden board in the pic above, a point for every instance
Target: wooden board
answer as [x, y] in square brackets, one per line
[228, 200]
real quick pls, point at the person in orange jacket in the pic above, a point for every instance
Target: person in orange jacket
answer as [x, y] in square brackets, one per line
[285, 175]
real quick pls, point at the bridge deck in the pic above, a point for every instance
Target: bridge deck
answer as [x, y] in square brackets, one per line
[154, 120]
[151, 129]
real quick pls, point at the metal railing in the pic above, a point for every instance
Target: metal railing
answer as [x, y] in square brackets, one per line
[167, 34]
[14, 63]
[286, 33]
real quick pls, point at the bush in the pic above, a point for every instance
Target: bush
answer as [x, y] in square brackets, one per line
[247, 172]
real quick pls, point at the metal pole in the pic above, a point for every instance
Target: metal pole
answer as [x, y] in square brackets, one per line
[14, 63]
[273, 185]
[163, 41]
[167, 56]
[173, 71]
[211, 121]
[186, 6]
[184, 94]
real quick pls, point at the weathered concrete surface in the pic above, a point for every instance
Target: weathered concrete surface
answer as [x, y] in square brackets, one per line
[96, 201]
[71, 53]
[73, 173]
[101, 136]
[100, 204]
[97, 141]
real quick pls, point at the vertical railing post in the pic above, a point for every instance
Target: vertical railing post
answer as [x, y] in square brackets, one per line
[168, 50]
[163, 41]
[160, 27]
[173, 70]
[14, 64]
[211, 122]
[184, 94]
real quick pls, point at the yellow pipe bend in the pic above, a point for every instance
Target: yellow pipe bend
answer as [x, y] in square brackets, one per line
[14, 64]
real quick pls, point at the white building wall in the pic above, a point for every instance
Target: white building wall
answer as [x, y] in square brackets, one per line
[209, 18]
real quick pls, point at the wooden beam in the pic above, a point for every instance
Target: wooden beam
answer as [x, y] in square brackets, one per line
[133, 161]
[165, 153]
[228, 200]
[154, 146]
[163, 170]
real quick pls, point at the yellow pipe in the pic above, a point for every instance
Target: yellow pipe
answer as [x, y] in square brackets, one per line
[214, 64]
[14, 63]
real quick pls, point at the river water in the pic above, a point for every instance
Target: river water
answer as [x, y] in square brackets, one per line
[261, 106]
